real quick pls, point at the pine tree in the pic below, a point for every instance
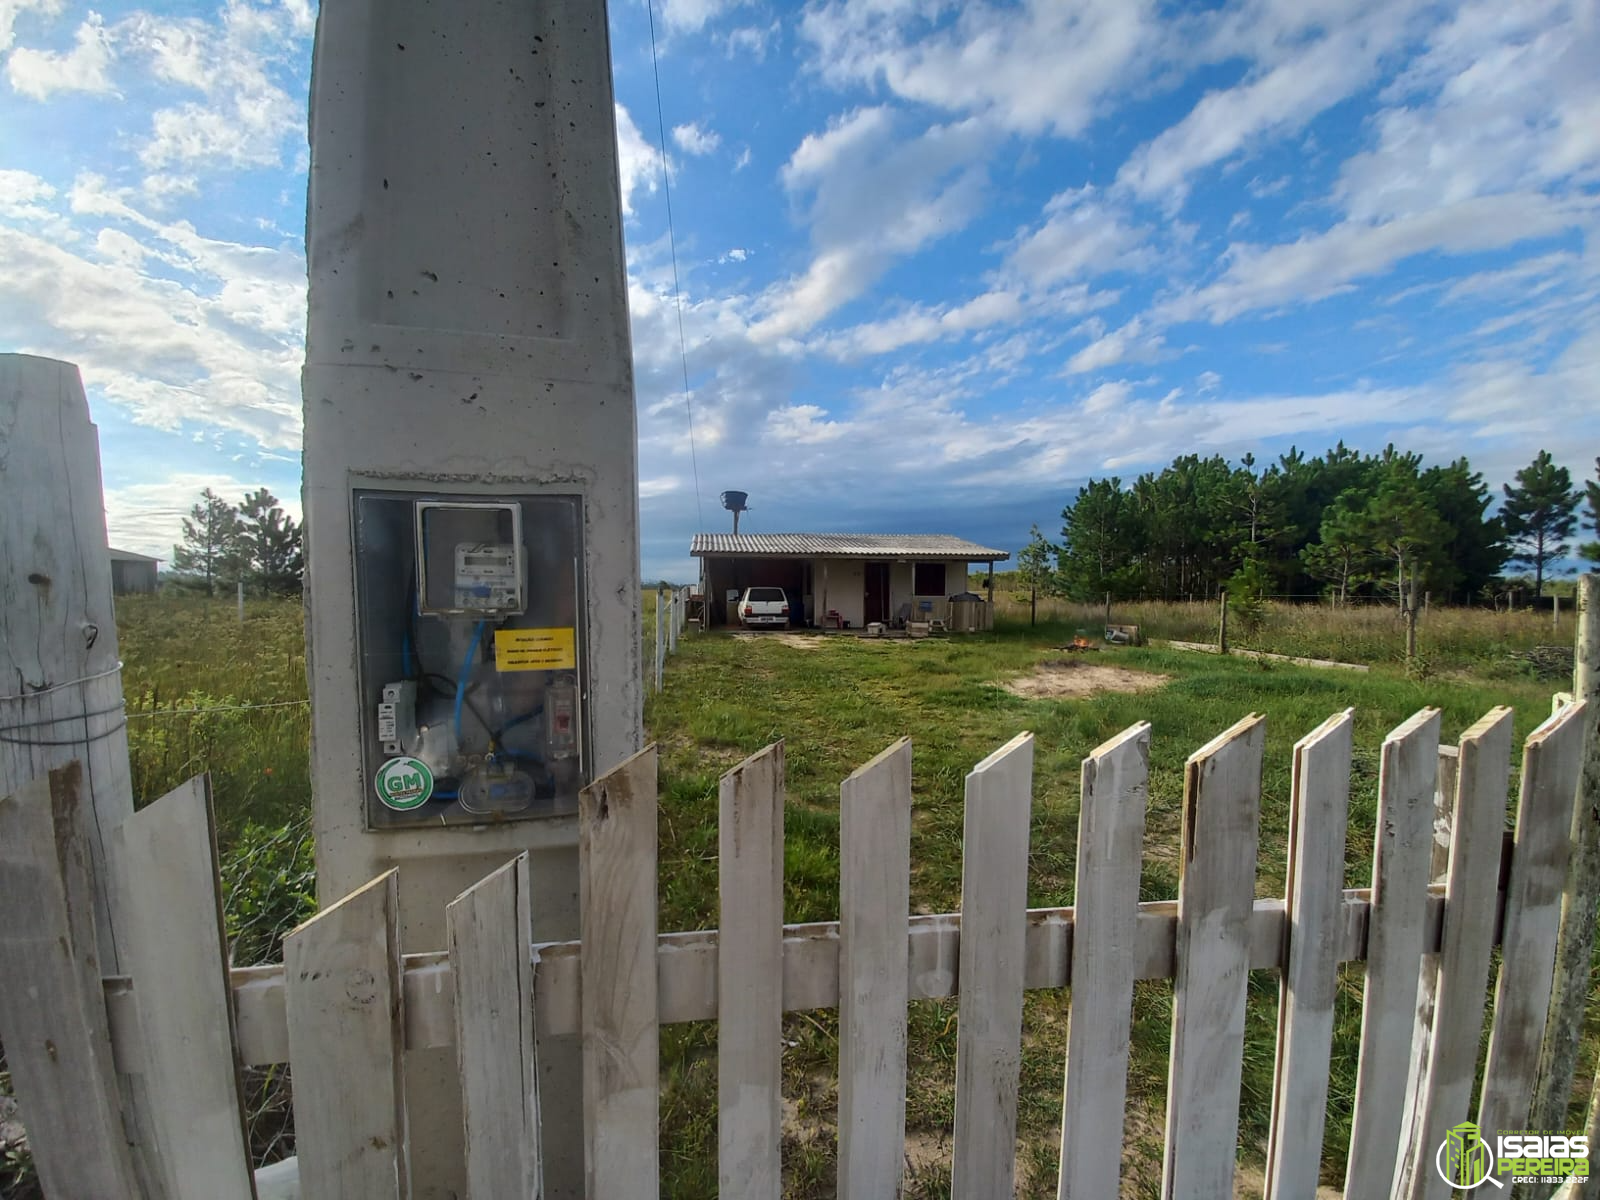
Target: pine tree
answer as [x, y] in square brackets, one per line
[1591, 550]
[209, 553]
[1540, 513]
[1036, 567]
[269, 541]
[1343, 556]
[1100, 535]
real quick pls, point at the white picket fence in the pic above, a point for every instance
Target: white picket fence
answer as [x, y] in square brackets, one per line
[672, 606]
[131, 1082]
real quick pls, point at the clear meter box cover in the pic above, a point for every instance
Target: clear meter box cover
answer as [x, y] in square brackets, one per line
[470, 657]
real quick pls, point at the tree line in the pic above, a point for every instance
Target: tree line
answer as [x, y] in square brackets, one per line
[1342, 525]
[253, 542]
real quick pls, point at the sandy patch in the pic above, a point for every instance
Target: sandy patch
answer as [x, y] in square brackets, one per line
[800, 641]
[1075, 677]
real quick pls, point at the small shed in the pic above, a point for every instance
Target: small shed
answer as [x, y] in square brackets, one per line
[860, 577]
[131, 573]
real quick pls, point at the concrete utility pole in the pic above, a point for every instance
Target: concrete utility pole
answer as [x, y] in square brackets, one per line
[467, 363]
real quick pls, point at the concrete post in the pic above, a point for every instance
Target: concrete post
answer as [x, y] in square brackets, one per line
[467, 334]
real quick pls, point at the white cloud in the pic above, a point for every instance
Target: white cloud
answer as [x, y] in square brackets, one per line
[1505, 98]
[1320, 264]
[10, 10]
[736, 255]
[638, 163]
[1108, 397]
[751, 41]
[921, 323]
[1291, 85]
[692, 139]
[1041, 67]
[874, 198]
[41, 73]
[179, 329]
[691, 16]
[1131, 343]
[1082, 236]
[239, 64]
[21, 193]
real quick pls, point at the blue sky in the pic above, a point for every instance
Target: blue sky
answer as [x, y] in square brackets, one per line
[940, 262]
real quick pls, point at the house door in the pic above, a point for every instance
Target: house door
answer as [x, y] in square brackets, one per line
[876, 606]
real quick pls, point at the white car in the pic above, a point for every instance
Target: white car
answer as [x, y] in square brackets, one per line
[764, 606]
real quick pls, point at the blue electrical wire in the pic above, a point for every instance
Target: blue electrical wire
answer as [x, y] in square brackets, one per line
[461, 679]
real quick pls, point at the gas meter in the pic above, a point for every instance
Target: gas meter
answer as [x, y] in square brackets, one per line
[471, 668]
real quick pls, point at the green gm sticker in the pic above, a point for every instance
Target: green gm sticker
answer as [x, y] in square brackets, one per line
[404, 783]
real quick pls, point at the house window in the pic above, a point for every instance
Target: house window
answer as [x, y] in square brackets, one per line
[927, 579]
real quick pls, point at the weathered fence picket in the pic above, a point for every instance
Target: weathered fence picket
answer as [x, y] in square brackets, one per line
[1397, 937]
[1221, 809]
[1550, 764]
[52, 1018]
[994, 902]
[1319, 805]
[488, 924]
[874, 899]
[345, 1006]
[750, 978]
[165, 862]
[621, 1039]
[1116, 785]
[1465, 945]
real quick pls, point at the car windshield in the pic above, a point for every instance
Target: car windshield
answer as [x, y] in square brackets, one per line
[766, 594]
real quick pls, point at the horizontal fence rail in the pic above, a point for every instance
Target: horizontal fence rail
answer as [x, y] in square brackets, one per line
[346, 1007]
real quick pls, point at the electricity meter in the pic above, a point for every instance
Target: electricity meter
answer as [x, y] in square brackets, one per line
[470, 658]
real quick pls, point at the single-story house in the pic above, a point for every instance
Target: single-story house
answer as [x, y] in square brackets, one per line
[132, 572]
[860, 576]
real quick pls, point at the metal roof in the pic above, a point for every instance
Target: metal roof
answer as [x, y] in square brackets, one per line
[843, 545]
[129, 556]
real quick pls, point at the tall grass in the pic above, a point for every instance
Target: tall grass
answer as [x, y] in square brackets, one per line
[1477, 641]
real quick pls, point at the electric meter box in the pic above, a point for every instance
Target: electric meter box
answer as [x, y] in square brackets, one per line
[470, 657]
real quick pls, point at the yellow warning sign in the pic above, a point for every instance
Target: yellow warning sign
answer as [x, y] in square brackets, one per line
[535, 649]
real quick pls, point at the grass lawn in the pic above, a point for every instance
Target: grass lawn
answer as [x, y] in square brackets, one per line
[841, 702]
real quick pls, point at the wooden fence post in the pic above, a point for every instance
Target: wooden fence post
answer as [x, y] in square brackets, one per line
[60, 681]
[1387, 1085]
[346, 1019]
[1111, 823]
[1216, 893]
[52, 1011]
[1314, 906]
[1550, 764]
[874, 902]
[621, 1038]
[490, 930]
[1575, 943]
[1222, 622]
[994, 920]
[174, 947]
[750, 977]
[1465, 947]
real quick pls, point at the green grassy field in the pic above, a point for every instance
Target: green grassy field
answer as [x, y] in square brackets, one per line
[836, 702]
